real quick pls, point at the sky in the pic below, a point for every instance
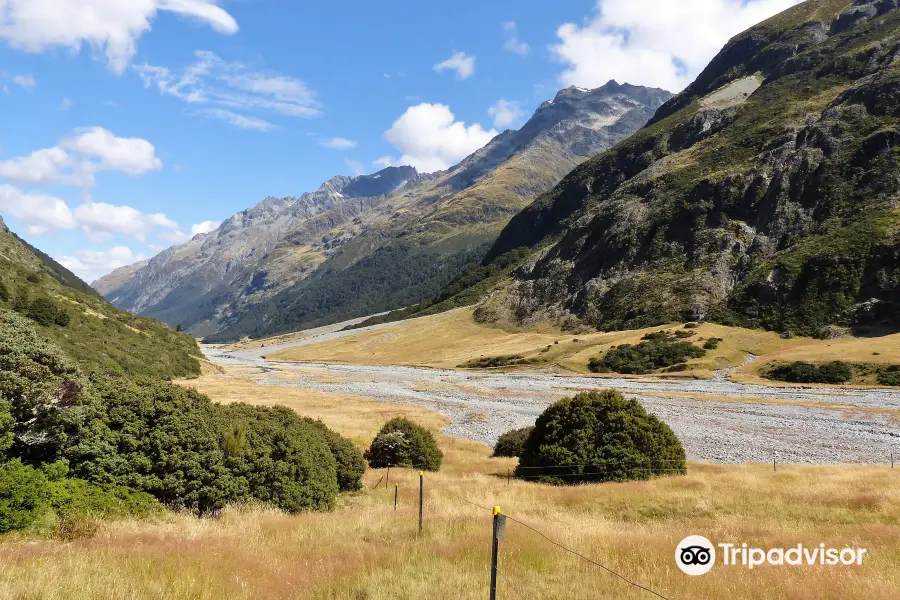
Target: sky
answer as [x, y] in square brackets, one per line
[127, 126]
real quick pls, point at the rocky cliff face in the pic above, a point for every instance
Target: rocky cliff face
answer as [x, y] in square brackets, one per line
[362, 245]
[765, 194]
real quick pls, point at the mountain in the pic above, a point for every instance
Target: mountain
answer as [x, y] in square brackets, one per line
[98, 336]
[362, 245]
[766, 194]
[117, 278]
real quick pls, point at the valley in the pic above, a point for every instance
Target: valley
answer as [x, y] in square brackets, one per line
[718, 417]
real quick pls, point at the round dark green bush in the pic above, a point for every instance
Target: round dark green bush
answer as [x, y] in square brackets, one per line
[599, 436]
[43, 311]
[512, 443]
[4, 292]
[402, 443]
[658, 351]
[712, 343]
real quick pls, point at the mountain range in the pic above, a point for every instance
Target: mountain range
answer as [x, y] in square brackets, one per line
[361, 245]
[766, 194]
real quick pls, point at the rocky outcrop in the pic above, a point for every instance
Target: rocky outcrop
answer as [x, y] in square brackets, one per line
[779, 210]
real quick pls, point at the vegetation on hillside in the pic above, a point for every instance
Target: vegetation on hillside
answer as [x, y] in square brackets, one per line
[402, 443]
[658, 351]
[87, 328]
[599, 436]
[778, 211]
[107, 443]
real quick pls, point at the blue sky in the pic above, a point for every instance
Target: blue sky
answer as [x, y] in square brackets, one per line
[123, 132]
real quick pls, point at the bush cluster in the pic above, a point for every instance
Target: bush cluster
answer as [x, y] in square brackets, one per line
[45, 312]
[512, 443]
[889, 376]
[489, 362]
[712, 343]
[803, 372]
[113, 443]
[599, 436]
[658, 351]
[402, 443]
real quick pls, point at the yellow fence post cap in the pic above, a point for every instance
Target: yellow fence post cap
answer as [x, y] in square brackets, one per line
[496, 510]
[421, 473]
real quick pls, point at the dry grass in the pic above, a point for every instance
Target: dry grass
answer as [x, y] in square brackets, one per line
[365, 550]
[452, 338]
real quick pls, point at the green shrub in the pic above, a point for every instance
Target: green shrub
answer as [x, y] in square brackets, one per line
[889, 376]
[681, 334]
[712, 343]
[402, 443]
[659, 351]
[350, 462]
[489, 362]
[23, 495]
[42, 311]
[803, 372]
[4, 292]
[691, 325]
[512, 443]
[599, 436]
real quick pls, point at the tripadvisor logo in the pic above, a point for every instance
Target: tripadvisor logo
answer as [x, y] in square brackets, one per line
[696, 555]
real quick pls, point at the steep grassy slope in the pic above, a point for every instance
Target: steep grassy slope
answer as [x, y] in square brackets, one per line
[97, 335]
[765, 194]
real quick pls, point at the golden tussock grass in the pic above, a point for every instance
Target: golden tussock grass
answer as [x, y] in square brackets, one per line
[452, 338]
[365, 550]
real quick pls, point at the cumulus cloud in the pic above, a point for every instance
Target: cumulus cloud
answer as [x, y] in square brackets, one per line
[512, 43]
[338, 143]
[91, 265]
[76, 159]
[461, 63]
[505, 113]
[110, 27]
[431, 139]
[40, 213]
[656, 43]
[231, 90]
[99, 218]
[26, 82]
[205, 227]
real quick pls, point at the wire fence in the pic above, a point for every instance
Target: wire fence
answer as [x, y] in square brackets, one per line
[587, 471]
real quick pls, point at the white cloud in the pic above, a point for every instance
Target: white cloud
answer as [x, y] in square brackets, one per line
[76, 159]
[505, 113]
[26, 82]
[134, 156]
[240, 121]
[40, 213]
[91, 265]
[512, 42]
[384, 162]
[356, 167]
[205, 227]
[101, 218]
[65, 104]
[233, 88]
[430, 139]
[463, 64]
[338, 143]
[657, 43]
[110, 27]
[176, 236]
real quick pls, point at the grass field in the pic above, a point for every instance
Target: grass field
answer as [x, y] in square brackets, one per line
[364, 550]
[453, 338]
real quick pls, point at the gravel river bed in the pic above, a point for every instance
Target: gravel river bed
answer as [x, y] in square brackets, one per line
[717, 420]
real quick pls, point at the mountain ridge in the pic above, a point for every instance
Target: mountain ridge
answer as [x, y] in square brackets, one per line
[248, 276]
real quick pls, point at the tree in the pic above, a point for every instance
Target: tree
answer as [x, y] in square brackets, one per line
[42, 311]
[512, 443]
[599, 436]
[402, 443]
[179, 328]
[4, 292]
